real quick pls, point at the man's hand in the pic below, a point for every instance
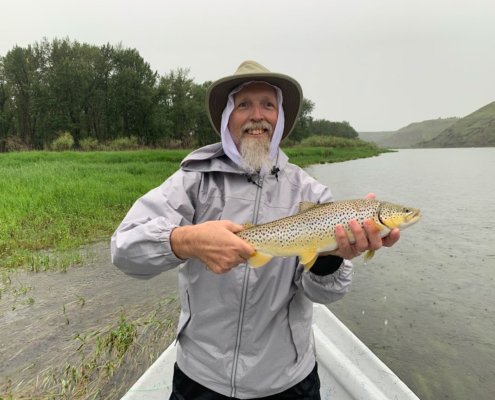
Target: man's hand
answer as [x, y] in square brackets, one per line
[212, 242]
[367, 239]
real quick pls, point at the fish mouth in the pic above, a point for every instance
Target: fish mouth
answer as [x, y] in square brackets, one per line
[415, 217]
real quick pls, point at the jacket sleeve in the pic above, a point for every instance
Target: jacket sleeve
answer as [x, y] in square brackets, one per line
[329, 288]
[325, 289]
[141, 244]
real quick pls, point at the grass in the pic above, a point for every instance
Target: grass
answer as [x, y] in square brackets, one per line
[52, 203]
[60, 201]
[321, 155]
[107, 361]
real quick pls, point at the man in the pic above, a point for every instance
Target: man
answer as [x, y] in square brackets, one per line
[243, 333]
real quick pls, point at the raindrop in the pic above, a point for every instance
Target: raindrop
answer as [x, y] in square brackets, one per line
[384, 298]
[363, 312]
[386, 322]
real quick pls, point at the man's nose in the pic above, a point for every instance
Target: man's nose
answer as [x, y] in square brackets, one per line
[257, 114]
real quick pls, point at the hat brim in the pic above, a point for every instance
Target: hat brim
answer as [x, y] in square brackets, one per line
[218, 92]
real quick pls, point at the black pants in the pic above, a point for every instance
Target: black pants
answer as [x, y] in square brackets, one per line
[184, 388]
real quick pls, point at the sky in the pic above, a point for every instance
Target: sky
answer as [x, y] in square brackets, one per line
[378, 64]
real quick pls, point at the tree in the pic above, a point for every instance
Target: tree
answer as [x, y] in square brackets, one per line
[132, 93]
[6, 110]
[302, 128]
[109, 92]
[19, 68]
[323, 127]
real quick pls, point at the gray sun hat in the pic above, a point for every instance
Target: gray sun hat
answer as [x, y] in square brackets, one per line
[218, 93]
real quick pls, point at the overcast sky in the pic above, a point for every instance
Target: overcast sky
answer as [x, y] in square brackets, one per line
[379, 64]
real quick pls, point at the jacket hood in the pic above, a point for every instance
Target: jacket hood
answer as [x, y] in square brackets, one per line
[212, 158]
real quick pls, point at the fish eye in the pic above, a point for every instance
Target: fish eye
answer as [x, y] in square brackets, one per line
[407, 210]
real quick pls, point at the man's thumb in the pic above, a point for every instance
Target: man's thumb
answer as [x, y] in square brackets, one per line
[233, 227]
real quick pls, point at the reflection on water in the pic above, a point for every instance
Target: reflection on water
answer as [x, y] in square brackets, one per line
[435, 289]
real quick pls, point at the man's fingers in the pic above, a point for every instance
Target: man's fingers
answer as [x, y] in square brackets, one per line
[359, 236]
[370, 196]
[392, 238]
[233, 227]
[374, 238]
[244, 259]
[220, 271]
[220, 268]
[244, 251]
[344, 245]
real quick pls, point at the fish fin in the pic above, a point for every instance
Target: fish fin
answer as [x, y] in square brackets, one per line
[248, 225]
[258, 259]
[305, 206]
[308, 258]
[310, 264]
[369, 255]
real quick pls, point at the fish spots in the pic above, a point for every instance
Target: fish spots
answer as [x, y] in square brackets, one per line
[315, 228]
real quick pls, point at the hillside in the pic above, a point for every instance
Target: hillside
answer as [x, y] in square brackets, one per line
[374, 136]
[475, 130]
[416, 132]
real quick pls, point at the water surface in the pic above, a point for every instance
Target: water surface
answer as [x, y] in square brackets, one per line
[426, 306]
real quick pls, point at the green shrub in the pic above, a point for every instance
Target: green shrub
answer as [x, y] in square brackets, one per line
[174, 144]
[334, 141]
[88, 144]
[64, 142]
[12, 144]
[287, 143]
[104, 147]
[125, 143]
[167, 143]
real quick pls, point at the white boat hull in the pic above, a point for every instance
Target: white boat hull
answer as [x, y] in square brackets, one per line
[347, 368]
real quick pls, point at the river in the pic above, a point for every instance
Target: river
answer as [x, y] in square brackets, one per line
[426, 306]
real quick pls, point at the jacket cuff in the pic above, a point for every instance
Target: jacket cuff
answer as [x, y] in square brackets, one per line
[326, 265]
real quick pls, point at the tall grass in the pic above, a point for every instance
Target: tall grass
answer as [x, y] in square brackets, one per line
[60, 201]
[107, 361]
[320, 155]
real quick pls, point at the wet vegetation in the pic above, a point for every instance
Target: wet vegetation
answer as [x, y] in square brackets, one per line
[51, 204]
[101, 364]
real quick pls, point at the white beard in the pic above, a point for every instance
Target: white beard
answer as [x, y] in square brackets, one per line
[255, 154]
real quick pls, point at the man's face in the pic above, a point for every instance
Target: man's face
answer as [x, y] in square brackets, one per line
[255, 113]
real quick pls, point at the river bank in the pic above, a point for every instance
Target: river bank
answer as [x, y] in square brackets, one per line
[61, 201]
[89, 332]
[71, 322]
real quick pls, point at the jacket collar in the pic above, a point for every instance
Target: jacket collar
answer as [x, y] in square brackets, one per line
[212, 158]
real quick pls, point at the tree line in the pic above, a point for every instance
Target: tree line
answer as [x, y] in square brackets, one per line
[110, 92]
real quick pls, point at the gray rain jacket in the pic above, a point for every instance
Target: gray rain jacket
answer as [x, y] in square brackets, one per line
[247, 333]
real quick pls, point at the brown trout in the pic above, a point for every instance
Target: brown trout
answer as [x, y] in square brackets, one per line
[312, 230]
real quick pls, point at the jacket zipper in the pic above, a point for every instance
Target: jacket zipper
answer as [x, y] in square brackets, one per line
[244, 291]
